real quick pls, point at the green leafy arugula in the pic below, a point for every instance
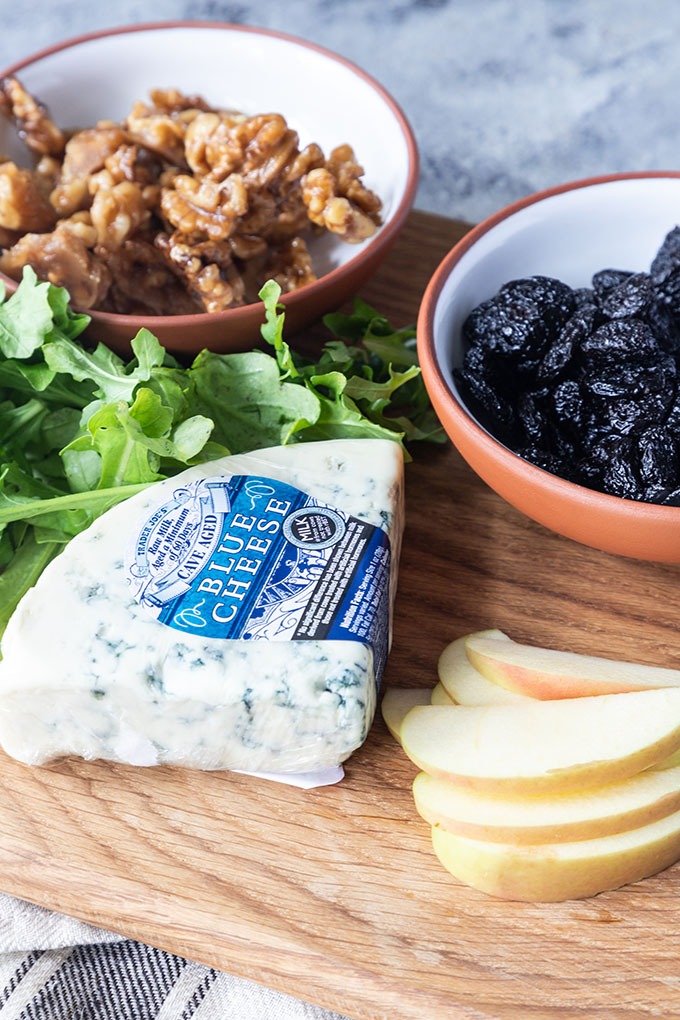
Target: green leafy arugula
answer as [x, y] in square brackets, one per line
[82, 429]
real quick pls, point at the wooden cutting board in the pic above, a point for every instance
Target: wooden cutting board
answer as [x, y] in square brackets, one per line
[334, 895]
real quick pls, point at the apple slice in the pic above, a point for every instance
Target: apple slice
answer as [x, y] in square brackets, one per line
[397, 701]
[544, 746]
[464, 683]
[560, 871]
[440, 696]
[545, 673]
[585, 814]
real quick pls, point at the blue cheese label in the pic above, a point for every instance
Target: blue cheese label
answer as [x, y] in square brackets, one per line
[252, 558]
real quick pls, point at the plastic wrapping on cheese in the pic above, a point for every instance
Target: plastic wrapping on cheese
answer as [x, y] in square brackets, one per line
[236, 616]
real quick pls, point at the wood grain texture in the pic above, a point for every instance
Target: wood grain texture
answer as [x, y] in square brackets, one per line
[334, 895]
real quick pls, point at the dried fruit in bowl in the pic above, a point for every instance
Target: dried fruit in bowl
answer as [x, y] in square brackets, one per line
[584, 382]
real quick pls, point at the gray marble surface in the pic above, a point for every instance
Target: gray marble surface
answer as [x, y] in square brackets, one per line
[505, 96]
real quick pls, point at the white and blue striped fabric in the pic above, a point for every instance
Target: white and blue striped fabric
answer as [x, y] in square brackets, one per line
[55, 968]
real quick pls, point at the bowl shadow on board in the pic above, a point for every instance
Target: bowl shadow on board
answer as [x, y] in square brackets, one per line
[463, 545]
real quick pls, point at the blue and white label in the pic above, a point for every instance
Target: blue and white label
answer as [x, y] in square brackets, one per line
[250, 557]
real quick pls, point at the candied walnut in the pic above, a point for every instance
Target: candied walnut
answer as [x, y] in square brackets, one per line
[169, 176]
[207, 269]
[205, 207]
[80, 224]
[23, 207]
[337, 200]
[215, 293]
[334, 212]
[134, 163]
[161, 132]
[290, 221]
[289, 264]
[144, 284]
[117, 210]
[248, 246]
[348, 173]
[267, 145]
[258, 148]
[310, 158]
[62, 258]
[85, 154]
[173, 101]
[34, 125]
[260, 214]
[279, 213]
[209, 146]
[121, 165]
[46, 172]
[276, 218]
[8, 237]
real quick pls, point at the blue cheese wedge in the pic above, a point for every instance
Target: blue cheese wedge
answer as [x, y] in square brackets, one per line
[119, 651]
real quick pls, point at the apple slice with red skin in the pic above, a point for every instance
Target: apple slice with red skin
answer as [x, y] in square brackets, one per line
[584, 814]
[542, 747]
[548, 674]
[465, 684]
[555, 872]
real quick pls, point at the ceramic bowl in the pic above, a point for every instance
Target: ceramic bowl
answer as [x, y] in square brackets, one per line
[568, 232]
[325, 98]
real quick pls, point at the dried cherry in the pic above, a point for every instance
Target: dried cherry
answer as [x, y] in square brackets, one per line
[665, 270]
[583, 382]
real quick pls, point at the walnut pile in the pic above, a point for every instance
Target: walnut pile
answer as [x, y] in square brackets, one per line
[181, 208]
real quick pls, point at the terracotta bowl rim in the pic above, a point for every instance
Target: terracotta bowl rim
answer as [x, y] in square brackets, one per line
[453, 412]
[375, 245]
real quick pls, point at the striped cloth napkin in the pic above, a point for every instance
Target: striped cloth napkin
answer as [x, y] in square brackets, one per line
[53, 967]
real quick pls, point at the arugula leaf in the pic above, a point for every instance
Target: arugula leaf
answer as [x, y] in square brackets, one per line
[378, 393]
[360, 392]
[49, 507]
[28, 378]
[66, 322]
[340, 417]
[371, 331]
[130, 440]
[250, 405]
[21, 573]
[113, 379]
[272, 330]
[26, 318]
[123, 459]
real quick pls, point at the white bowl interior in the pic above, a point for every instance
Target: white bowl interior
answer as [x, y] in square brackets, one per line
[617, 224]
[323, 98]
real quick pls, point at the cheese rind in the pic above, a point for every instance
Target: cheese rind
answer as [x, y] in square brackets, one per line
[88, 671]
